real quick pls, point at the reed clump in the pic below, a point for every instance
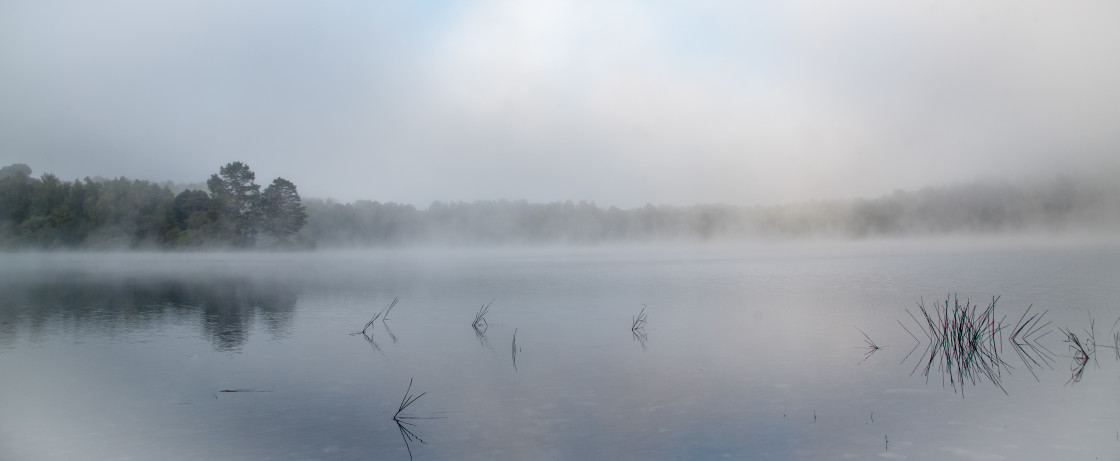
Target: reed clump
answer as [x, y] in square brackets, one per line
[638, 327]
[639, 321]
[870, 345]
[480, 316]
[963, 342]
[1082, 350]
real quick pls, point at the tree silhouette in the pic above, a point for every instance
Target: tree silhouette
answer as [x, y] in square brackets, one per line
[281, 211]
[235, 188]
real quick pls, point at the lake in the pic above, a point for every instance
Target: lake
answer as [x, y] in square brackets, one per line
[768, 351]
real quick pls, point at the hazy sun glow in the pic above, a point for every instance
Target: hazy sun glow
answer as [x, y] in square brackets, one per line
[619, 102]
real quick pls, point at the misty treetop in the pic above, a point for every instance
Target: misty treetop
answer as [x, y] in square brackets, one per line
[1085, 203]
[123, 213]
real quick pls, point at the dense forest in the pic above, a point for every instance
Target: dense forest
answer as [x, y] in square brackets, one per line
[47, 212]
[1088, 203]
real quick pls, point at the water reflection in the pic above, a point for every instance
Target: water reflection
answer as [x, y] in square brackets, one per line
[480, 335]
[709, 389]
[516, 349]
[225, 309]
[369, 339]
[641, 337]
[407, 435]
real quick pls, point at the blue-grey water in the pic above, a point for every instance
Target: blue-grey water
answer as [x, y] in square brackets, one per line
[749, 352]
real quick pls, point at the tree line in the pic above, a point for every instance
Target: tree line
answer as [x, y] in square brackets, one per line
[1069, 203]
[47, 212]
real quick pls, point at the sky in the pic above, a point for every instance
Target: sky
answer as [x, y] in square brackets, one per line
[621, 103]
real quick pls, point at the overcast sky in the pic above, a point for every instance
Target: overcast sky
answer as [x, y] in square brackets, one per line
[622, 103]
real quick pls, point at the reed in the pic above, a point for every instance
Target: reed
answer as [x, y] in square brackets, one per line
[1024, 340]
[404, 420]
[870, 345]
[1081, 350]
[917, 343]
[480, 316]
[639, 321]
[379, 314]
[406, 402]
[370, 322]
[373, 344]
[390, 308]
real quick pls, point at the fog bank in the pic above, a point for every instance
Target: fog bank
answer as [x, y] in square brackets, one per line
[1066, 204]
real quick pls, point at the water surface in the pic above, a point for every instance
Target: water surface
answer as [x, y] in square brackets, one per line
[750, 352]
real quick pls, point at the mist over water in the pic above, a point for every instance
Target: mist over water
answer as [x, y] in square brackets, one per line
[1084, 205]
[748, 351]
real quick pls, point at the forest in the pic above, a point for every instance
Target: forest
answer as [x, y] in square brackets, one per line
[1089, 203]
[122, 213]
[48, 213]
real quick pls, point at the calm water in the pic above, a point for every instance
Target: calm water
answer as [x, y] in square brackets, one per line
[748, 353]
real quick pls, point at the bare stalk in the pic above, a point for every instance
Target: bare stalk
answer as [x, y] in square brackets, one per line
[480, 317]
[639, 321]
[407, 401]
[390, 308]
